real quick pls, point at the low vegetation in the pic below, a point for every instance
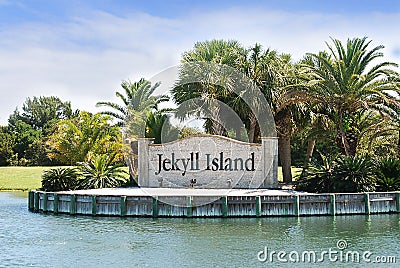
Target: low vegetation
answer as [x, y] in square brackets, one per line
[348, 174]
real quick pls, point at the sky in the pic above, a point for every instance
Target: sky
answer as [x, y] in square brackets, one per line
[81, 51]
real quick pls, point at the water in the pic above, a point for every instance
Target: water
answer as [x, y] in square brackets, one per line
[38, 240]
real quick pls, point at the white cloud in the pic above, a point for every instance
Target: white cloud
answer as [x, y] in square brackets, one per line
[85, 59]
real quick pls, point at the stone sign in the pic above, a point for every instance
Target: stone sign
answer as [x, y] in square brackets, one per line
[208, 161]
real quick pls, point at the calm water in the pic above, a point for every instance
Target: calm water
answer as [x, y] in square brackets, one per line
[28, 239]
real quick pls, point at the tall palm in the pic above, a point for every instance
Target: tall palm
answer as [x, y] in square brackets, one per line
[207, 93]
[159, 127]
[271, 72]
[348, 82]
[136, 97]
[317, 122]
[276, 76]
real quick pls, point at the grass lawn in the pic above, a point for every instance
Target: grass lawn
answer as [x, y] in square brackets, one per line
[21, 178]
[295, 171]
[28, 178]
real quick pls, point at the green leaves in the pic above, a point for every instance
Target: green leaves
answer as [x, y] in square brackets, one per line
[60, 179]
[137, 101]
[345, 174]
[41, 111]
[388, 174]
[99, 172]
[159, 128]
[350, 174]
[76, 139]
[348, 83]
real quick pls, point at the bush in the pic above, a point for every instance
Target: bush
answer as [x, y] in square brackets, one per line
[317, 178]
[354, 174]
[343, 175]
[130, 182]
[388, 175]
[59, 179]
[100, 172]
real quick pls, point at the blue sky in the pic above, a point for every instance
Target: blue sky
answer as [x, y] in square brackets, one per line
[82, 50]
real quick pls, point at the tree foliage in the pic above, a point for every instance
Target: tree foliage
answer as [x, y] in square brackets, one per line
[137, 98]
[348, 82]
[6, 146]
[75, 140]
[40, 112]
[388, 174]
[100, 172]
[273, 73]
[343, 174]
[60, 179]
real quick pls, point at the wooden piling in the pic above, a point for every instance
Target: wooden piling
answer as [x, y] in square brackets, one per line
[55, 203]
[367, 204]
[45, 202]
[398, 202]
[332, 204]
[94, 205]
[155, 208]
[36, 202]
[258, 206]
[123, 206]
[296, 205]
[224, 200]
[31, 201]
[72, 205]
[189, 211]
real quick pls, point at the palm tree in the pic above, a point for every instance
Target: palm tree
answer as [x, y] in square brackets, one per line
[136, 98]
[275, 75]
[59, 179]
[159, 127]
[207, 93]
[100, 172]
[75, 140]
[317, 124]
[138, 104]
[272, 73]
[347, 82]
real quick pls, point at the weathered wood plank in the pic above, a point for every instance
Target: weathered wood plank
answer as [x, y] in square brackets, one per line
[215, 206]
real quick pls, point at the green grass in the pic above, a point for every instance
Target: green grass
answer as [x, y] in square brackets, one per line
[295, 171]
[28, 178]
[21, 178]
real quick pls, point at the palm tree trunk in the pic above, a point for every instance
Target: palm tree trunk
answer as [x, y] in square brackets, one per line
[238, 134]
[252, 129]
[398, 146]
[285, 157]
[217, 126]
[310, 150]
[351, 139]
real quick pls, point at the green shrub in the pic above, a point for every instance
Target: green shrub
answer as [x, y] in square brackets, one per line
[388, 184]
[59, 179]
[317, 178]
[100, 172]
[354, 174]
[343, 175]
[388, 175]
[130, 182]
